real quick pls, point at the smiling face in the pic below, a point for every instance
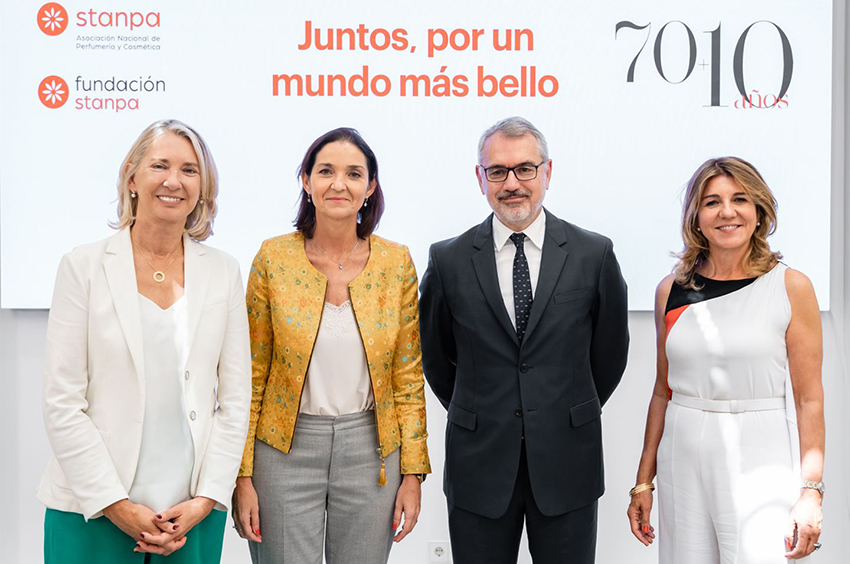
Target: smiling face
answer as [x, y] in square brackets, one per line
[339, 181]
[516, 203]
[168, 181]
[727, 216]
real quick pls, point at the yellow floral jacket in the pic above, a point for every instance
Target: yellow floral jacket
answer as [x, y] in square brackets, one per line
[286, 296]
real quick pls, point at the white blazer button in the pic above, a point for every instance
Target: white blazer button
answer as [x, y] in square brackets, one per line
[192, 415]
[187, 374]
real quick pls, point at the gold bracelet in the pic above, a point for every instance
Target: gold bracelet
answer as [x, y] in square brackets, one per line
[641, 488]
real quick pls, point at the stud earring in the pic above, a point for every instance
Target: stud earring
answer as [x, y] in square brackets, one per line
[132, 194]
[698, 229]
[758, 224]
[366, 202]
[308, 197]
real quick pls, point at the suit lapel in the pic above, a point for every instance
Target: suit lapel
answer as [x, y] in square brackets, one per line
[196, 283]
[484, 262]
[121, 277]
[551, 264]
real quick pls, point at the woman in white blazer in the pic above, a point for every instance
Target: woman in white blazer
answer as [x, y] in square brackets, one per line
[146, 380]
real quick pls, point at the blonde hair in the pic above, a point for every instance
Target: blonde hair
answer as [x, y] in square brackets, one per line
[199, 223]
[759, 259]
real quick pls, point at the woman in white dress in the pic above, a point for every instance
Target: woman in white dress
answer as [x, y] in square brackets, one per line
[737, 333]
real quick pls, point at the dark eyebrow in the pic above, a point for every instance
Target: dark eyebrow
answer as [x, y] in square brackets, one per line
[349, 167]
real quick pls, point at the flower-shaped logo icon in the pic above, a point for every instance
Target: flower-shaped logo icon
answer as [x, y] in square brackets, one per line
[52, 18]
[53, 92]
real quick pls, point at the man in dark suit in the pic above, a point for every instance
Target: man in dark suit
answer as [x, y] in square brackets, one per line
[524, 337]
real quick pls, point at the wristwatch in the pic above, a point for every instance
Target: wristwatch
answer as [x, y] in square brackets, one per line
[813, 486]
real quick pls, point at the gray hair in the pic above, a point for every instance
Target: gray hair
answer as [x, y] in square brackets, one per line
[514, 127]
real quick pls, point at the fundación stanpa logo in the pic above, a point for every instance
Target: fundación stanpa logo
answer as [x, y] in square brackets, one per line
[53, 92]
[52, 18]
[99, 93]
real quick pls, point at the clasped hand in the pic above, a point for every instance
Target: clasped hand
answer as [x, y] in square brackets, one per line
[159, 533]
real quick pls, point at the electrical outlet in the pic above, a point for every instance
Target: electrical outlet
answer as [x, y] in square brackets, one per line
[438, 551]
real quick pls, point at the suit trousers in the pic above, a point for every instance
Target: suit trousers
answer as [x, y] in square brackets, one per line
[569, 538]
[326, 492]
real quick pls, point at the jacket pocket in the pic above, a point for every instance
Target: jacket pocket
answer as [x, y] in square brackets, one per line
[462, 417]
[585, 412]
[572, 295]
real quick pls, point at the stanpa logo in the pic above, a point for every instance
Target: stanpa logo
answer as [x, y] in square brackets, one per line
[53, 92]
[93, 18]
[52, 18]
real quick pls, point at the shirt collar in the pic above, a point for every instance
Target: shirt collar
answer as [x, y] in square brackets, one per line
[536, 232]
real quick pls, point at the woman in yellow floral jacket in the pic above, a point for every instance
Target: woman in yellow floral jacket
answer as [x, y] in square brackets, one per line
[336, 447]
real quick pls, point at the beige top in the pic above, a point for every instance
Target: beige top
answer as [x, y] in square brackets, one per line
[338, 378]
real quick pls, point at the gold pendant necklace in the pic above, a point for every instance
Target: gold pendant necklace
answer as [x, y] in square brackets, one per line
[158, 275]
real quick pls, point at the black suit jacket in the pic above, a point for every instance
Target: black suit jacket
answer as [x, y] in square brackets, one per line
[554, 384]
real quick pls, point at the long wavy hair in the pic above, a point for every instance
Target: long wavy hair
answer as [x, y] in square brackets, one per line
[759, 259]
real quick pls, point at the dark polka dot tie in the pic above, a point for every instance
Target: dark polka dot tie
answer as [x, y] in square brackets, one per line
[522, 286]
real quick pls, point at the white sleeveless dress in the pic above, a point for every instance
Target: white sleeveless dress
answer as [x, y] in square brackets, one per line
[727, 478]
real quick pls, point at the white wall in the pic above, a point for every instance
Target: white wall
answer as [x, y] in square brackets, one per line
[24, 449]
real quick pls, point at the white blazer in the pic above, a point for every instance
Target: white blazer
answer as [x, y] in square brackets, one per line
[94, 375]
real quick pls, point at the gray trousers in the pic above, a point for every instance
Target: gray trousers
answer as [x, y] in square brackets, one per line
[326, 492]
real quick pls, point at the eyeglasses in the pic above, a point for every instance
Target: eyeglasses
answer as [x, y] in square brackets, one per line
[521, 172]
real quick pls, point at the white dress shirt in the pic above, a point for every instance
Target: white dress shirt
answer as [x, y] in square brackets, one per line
[506, 250]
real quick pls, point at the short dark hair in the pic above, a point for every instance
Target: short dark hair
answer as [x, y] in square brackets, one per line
[369, 216]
